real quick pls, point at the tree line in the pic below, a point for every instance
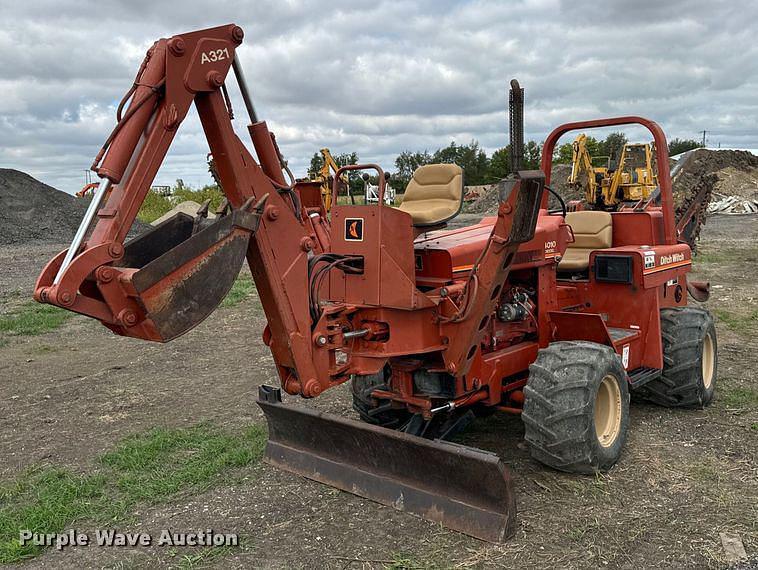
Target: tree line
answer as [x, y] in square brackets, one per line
[479, 168]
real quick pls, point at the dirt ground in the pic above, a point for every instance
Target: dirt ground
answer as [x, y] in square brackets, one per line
[685, 476]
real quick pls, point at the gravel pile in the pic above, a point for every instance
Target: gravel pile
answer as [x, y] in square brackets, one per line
[33, 212]
[487, 202]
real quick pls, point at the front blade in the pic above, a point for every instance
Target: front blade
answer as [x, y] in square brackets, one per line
[466, 489]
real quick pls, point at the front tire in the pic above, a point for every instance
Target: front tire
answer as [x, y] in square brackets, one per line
[690, 360]
[576, 407]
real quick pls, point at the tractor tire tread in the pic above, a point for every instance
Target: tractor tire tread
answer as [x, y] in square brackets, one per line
[680, 385]
[559, 404]
[366, 405]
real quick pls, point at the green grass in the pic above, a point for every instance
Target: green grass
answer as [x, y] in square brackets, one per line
[242, 289]
[741, 324]
[729, 254]
[46, 500]
[705, 472]
[360, 200]
[155, 205]
[42, 349]
[205, 557]
[147, 468]
[735, 397]
[162, 462]
[403, 562]
[31, 319]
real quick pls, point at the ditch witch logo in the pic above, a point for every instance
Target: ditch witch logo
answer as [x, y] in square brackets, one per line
[353, 229]
[108, 537]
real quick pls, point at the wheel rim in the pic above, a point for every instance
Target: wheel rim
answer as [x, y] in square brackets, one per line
[608, 411]
[708, 360]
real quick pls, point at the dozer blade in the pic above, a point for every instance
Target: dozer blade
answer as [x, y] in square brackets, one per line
[466, 489]
[186, 266]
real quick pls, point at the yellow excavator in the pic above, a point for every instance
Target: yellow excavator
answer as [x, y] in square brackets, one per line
[325, 177]
[609, 186]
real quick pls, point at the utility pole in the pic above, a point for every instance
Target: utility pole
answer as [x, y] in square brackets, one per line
[703, 143]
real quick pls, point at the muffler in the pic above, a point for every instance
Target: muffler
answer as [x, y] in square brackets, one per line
[465, 489]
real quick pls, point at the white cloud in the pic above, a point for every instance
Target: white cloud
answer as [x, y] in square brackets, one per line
[381, 76]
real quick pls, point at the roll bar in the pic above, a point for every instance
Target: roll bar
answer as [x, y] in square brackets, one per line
[661, 156]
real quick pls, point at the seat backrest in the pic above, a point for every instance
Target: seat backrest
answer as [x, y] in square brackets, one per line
[434, 193]
[435, 181]
[592, 229]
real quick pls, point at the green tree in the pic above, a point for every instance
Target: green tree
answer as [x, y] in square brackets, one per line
[612, 145]
[405, 165]
[500, 165]
[564, 154]
[471, 158]
[678, 146]
[593, 146]
[532, 153]
[344, 159]
[317, 161]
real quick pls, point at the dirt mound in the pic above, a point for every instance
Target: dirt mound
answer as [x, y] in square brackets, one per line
[729, 172]
[487, 202]
[33, 211]
[189, 207]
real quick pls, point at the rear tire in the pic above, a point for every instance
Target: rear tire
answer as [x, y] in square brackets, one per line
[368, 407]
[690, 360]
[576, 407]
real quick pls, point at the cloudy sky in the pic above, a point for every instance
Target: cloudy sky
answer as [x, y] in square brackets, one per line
[379, 77]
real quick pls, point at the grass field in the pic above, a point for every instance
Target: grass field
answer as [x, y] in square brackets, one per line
[146, 468]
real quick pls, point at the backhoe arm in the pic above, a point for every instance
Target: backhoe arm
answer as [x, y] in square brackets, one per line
[166, 281]
[581, 162]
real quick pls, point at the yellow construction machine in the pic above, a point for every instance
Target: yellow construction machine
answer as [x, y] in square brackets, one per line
[608, 187]
[325, 177]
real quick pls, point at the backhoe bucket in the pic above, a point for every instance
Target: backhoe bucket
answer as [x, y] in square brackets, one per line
[466, 489]
[186, 266]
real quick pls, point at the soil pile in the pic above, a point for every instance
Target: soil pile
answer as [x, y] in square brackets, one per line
[487, 201]
[33, 211]
[727, 172]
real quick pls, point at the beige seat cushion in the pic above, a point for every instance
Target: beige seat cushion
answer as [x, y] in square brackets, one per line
[434, 194]
[592, 230]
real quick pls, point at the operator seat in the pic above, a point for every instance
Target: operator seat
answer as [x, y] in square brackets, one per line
[592, 230]
[434, 195]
